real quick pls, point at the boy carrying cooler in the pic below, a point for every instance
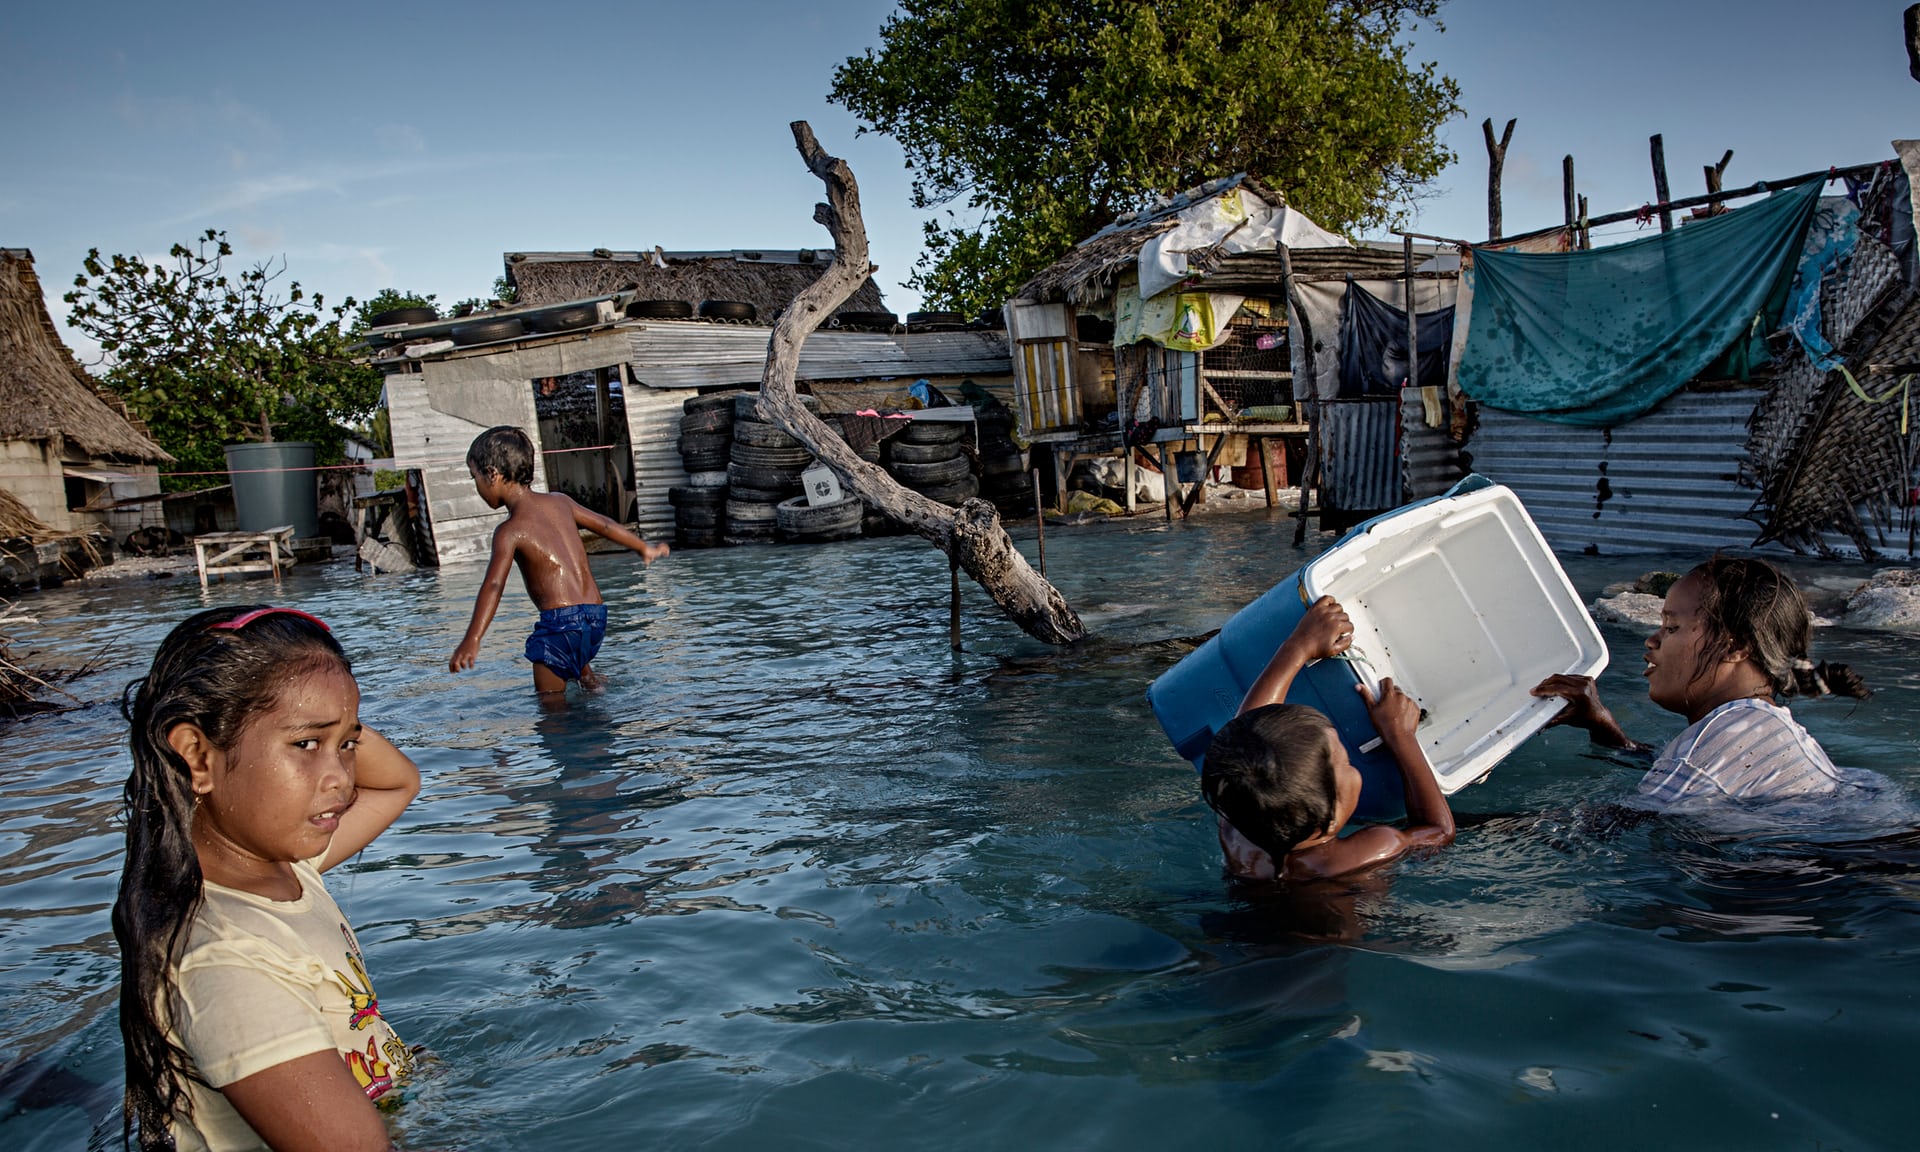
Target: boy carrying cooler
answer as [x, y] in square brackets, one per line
[1284, 785]
[542, 535]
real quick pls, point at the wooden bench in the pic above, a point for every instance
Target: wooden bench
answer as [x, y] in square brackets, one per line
[219, 553]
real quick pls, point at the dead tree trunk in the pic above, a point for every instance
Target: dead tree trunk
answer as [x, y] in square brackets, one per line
[1496, 160]
[970, 534]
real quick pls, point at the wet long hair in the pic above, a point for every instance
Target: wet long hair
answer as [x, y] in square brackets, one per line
[1270, 773]
[219, 680]
[1750, 604]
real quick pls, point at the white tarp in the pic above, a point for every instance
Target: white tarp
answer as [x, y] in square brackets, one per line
[1238, 221]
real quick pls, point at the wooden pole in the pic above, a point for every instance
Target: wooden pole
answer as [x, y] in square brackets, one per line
[1302, 343]
[1413, 320]
[1040, 522]
[1566, 190]
[1715, 173]
[1586, 234]
[1496, 161]
[953, 610]
[1658, 148]
[1170, 481]
[1911, 19]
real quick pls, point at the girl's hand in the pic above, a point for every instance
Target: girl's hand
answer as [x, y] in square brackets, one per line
[1583, 709]
[1393, 712]
[1324, 631]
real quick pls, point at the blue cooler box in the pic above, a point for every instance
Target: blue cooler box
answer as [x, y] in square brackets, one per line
[1457, 598]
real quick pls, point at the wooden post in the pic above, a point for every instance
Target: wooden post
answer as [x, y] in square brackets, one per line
[1040, 522]
[953, 611]
[1170, 478]
[1303, 341]
[1717, 172]
[1912, 21]
[1566, 190]
[1496, 160]
[1586, 234]
[1661, 195]
[1413, 319]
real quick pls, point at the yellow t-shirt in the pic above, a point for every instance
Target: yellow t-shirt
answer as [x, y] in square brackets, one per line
[265, 981]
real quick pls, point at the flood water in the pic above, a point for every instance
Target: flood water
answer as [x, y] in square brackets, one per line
[805, 878]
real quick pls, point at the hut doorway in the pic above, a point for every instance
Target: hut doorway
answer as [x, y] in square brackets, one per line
[584, 441]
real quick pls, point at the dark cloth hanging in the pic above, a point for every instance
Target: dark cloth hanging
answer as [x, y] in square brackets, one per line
[1373, 345]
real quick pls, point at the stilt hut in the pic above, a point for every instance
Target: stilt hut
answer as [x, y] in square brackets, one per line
[71, 457]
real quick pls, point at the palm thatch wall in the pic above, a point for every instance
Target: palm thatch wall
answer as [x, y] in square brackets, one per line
[45, 394]
[767, 283]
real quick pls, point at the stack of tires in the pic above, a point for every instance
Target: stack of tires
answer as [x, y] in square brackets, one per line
[706, 446]
[763, 469]
[1003, 466]
[930, 457]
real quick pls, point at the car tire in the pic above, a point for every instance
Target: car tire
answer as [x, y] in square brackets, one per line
[660, 310]
[487, 331]
[409, 316]
[933, 432]
[904, 452]
[934, 475]
[727, 310]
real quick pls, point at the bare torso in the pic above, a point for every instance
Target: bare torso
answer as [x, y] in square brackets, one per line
[546, 547]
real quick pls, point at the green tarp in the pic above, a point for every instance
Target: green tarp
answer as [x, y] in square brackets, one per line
[1599, 337]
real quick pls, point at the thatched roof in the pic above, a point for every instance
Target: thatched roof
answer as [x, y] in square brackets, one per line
[1090, 271]
[766, 280]
[44, 393]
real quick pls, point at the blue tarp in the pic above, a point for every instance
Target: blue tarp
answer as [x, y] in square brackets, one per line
[1597, 338]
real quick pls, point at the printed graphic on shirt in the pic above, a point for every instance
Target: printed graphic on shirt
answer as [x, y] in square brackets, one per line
[382, 1062]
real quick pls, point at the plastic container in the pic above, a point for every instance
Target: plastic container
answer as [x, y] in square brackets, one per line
[274, 485]
[1457, 598]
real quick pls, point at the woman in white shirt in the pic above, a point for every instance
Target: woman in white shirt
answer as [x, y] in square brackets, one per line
[1733, 637]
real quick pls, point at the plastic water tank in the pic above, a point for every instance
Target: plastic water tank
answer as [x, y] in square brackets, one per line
[273, 485]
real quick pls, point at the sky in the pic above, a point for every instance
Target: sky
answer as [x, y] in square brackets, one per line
[410, 145]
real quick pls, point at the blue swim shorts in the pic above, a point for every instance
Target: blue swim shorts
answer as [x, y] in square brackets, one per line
[567, 639]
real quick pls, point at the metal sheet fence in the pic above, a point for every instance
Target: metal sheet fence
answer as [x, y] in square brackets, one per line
[1665, 482]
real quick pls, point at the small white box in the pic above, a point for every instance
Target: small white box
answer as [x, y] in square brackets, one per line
[822, 486]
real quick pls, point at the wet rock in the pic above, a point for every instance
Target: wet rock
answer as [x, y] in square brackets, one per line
[1629, 608]
[1890, 599]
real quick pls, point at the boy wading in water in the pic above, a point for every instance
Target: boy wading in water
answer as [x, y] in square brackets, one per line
[542, 535]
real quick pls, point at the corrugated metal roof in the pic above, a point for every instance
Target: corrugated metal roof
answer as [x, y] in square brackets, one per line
[686, 354]
[1665, 482]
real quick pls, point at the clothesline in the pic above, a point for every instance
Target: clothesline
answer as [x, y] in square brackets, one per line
[398, 465]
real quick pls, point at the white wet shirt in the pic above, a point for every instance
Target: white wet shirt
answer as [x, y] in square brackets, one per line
[1750, 750]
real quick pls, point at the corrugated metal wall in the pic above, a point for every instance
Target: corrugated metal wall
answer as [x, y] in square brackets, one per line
[653, 429]
[1666, 481]
[1429, 459]
[1360, 454]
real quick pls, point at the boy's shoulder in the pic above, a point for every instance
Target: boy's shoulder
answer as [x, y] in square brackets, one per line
[1364, 848]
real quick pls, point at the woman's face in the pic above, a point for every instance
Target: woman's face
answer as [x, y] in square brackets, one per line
[1673, 651]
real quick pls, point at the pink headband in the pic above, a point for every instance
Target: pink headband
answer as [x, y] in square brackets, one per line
[246, 618]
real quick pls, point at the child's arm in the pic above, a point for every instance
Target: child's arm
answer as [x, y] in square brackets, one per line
[1324, 631]
[488, 601]
[1584, 710]
[310, 1103]
[1429, 821]
[608, 529]
[385, 782]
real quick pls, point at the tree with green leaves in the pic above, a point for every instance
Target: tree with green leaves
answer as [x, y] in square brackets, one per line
[1037, 124]
[210, 356]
